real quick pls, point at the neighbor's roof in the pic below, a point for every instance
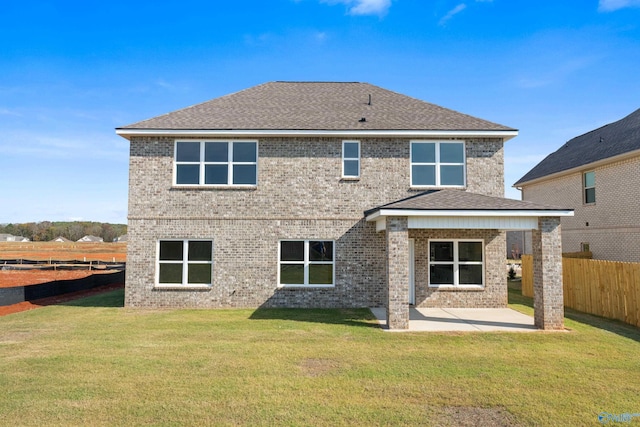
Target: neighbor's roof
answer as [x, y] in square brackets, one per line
[315, 106]
[608, 141]
[459, 200]
[90, 238]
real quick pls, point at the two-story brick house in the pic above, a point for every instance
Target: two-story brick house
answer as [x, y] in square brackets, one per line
[294, 194]
[598, 175]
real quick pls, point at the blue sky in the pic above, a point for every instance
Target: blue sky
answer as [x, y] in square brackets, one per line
[71, 72]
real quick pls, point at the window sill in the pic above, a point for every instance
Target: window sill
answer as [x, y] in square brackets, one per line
[437, 187]
[458, 287]
[215, 187]
[163, 287]
[350, 178]
[305, 286]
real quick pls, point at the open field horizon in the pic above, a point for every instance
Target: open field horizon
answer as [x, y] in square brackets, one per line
[63, 251]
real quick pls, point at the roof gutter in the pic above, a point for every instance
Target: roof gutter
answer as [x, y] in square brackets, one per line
[504, 134]
[469, 213]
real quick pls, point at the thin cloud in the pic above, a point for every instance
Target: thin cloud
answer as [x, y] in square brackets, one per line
[459, 8]
[553, 75]
[45, 145]
[258, 40]
[320, 36]
[7, 112]
[613, 5]
[363, 7]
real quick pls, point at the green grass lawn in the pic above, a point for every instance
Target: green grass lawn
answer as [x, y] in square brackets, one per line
[92, 362]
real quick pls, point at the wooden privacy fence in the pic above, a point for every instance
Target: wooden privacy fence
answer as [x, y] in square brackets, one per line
[605, 288]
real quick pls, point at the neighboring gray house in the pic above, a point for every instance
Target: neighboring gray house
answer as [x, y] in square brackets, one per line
[303, 194]
[598, 175]
[11, 238]
[61, 239]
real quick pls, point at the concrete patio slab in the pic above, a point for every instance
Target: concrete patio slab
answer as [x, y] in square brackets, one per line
[462, 320]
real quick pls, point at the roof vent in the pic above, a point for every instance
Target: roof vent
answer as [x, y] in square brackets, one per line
[362, 120]
[369, 100]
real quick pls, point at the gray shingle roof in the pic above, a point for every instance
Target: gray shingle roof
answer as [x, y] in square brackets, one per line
[316, 106]
[447, 200]
[608, 141]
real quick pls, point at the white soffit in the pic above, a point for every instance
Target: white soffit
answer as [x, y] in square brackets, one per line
[466, 222]
[474, 222]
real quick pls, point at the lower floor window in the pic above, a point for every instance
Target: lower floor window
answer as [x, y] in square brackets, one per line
[456, 263]
[306, 263]
[185, 262]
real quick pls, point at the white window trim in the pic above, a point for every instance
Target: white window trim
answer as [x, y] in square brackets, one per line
[307, 263]
[437, 163]
[585, 188]
[202, 163]
[185, 266]
[456, 265]
[345, 176]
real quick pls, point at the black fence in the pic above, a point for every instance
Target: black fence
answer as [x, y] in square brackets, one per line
[18, 294]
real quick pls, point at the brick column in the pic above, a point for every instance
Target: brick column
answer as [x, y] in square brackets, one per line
[397, 273]
[548, 303]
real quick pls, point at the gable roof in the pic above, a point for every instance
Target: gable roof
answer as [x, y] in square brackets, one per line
[608, 141]
[331, 106]
[443, 202]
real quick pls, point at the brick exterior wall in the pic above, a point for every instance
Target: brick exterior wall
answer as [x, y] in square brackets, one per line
[548, 301]
[300, 194]
[613, 232]
[494, 294]
[397, 233]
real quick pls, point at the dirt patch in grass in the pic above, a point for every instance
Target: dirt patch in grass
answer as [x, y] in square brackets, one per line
[318, 367]
[469, 416]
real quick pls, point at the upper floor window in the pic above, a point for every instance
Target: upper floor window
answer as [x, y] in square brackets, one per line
[351, 159]
[216, 163]
[437, 163]
[589, 186]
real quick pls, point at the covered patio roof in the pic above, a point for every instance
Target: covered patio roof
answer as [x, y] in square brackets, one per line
[457, 209]
[462, 209]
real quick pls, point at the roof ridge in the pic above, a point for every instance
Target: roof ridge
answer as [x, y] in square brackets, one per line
[604, 142]
[316, 105]
[597, 129]
[316, 81]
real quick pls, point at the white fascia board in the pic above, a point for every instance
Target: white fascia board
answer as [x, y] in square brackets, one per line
[586, 167]
[505, 135]
[468, 213]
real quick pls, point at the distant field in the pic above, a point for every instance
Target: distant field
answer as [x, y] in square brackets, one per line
[39, 251]
[44, 251]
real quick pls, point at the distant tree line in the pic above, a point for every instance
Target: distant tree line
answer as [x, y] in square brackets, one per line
[46, 230]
